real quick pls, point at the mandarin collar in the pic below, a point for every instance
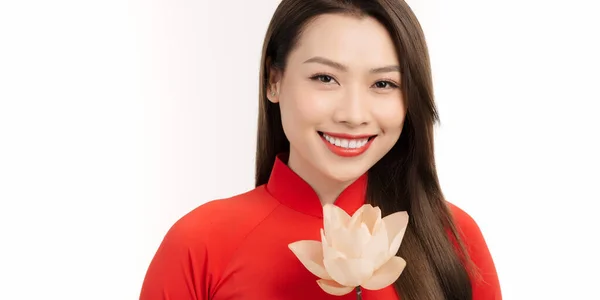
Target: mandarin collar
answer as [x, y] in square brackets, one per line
[292, 191]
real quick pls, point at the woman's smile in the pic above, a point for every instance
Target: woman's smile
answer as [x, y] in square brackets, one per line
[347, 145]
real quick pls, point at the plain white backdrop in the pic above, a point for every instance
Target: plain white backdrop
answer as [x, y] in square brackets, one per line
[118, 117]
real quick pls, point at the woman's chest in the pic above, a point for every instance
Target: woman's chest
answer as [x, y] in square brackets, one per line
[263, 267]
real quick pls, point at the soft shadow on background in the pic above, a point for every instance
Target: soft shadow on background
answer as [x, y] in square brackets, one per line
[118, 117]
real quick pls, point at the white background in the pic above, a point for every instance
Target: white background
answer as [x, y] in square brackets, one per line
[117, 117]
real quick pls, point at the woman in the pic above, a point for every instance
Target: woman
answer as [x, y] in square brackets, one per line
[346, 117]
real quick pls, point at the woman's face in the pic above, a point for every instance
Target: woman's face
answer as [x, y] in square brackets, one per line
[341, 105]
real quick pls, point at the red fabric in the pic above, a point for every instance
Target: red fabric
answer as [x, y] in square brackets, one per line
[236, 248]
[485, 284]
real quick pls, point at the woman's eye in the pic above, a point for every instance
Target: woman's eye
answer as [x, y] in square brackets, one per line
[323, 78]
[385, 85]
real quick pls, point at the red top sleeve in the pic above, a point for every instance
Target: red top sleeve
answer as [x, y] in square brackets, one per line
[191, 259]
[486, 285]
[179, 269]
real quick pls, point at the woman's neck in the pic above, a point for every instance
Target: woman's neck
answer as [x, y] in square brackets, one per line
[326, 188]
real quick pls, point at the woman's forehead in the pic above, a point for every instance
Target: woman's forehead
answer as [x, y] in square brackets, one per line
[346, 39]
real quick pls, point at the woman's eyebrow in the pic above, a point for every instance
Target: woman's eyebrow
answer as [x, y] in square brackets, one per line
[343, 68]
[327, 62]
[386, 69]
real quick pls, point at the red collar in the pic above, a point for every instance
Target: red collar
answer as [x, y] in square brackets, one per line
[292, 191]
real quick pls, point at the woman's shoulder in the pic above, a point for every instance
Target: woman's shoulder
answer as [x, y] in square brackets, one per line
[488, 285]
[200, 244]
[224, 218]
[467, 227]
[462, 219]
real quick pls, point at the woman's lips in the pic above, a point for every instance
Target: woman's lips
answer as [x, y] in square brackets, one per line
[347, 145]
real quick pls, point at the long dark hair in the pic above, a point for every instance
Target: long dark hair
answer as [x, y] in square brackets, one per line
[405, 179]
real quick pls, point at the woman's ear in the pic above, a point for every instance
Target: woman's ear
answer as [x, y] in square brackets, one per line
[273, 86]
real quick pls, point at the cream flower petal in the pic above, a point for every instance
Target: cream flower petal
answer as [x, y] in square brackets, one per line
[386, 275]
[334, 217]
[395, 225]
[324, 241]
[335, 214]
[310, 254]
[334, 288]
[370, 217]
[357, 217]
[345, 241]
[349, 272]
[362, 236]
[328, 251]
[377, 226]
[377, 248]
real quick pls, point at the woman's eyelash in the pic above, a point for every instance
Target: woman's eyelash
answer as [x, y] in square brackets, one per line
[390, 83]
[324, 78]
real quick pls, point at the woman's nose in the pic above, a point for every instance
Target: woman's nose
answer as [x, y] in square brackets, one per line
[352, 109]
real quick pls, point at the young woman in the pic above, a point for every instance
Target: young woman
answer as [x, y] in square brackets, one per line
[346, 117]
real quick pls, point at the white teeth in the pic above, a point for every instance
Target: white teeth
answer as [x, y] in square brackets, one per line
[346, 143]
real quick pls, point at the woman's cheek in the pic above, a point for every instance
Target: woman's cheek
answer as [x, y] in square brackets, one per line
[313, 106]
[391, 115]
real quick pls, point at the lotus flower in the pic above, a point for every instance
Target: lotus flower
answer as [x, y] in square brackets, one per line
[355, 251]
